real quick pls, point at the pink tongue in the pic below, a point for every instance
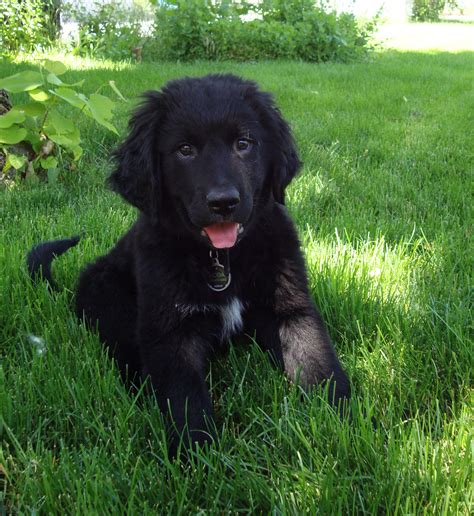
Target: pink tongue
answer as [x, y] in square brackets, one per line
[223, 234]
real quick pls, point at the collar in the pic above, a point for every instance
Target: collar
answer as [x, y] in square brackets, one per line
[219, 276]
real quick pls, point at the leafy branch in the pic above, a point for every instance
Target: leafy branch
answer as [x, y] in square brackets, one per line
[34, 136]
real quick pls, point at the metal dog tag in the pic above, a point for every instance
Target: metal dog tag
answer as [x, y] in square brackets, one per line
[219, 277]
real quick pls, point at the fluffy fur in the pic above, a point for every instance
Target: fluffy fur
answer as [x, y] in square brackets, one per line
[200, 152]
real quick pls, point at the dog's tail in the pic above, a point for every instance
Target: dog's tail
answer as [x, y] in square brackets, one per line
[39, 259]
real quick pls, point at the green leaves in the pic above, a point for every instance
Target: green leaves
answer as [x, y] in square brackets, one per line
[100, 108]
[97, 106]
[62, 131]
[32, 110]
[55, 67]
[23, 81]
[17, 161]
[40, 127]
[54, 79]
[57, 123]
[12, 135]
[49, 162]
[39, 95]
[10, 118]
[10, 132]
[77, 100]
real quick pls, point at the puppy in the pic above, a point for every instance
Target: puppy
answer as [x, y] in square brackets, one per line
[213, 253]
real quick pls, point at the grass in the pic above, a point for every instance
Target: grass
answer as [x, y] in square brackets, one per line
[384, 209]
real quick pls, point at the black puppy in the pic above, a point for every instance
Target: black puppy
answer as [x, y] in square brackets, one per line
[213, 253]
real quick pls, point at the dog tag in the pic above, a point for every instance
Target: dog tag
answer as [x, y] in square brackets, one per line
[219, 275]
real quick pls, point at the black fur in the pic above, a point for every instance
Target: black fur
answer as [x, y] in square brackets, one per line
[40, 257]
[149, 296]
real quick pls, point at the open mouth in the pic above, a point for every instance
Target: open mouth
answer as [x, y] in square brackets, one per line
[223, 235]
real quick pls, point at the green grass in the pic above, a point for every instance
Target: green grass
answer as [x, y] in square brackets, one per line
[384, 210]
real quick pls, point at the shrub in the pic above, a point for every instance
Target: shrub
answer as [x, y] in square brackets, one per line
[295, 29]
[232, 39]
[430, 10]
[322, 36]
[291, 11]
[107, 29]
[183, 29]
[28, 24]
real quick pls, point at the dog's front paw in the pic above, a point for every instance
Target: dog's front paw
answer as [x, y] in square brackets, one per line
[190, 427]
[180, 444]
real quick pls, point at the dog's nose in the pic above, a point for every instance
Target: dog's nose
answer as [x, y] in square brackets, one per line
[223, 202]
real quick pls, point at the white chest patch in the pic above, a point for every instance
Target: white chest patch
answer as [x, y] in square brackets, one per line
[232, 318]
[231, 314]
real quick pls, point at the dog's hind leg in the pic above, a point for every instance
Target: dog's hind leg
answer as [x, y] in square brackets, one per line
[106, 299]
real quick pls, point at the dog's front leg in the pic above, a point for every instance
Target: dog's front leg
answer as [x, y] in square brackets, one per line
[291, 329]
[298, 342]
[177, 365]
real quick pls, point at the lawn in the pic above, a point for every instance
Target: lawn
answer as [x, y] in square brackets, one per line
[384, 210]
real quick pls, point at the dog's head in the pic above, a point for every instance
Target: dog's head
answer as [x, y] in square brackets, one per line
[204, 155]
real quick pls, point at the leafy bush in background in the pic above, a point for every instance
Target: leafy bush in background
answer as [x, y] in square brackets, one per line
[232, 39]
[188, 29]
[293, 29]
[36, 137]
[291, 11]
[108, 29]
[28, 24]
[430, 10]
[184, 28]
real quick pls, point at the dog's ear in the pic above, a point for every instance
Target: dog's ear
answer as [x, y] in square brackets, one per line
[285, 160]
[286, 166]
[137, 176]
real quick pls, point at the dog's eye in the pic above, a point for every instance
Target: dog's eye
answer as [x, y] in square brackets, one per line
[186, 150]
[243, 145]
